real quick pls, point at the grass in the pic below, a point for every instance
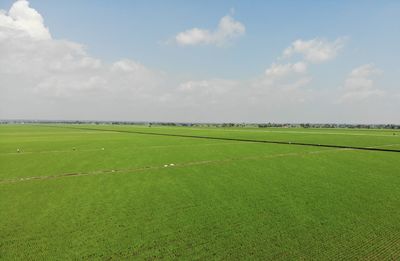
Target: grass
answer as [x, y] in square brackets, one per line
[221, 200]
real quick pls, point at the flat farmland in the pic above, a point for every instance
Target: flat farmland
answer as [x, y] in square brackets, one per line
[100, 192]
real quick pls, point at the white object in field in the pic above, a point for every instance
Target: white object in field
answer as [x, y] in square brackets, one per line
[18, 150]
[102, 148]
[165, 165]
[112, 170]
[172, 164]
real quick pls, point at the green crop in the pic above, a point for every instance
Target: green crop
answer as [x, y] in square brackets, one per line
[104, 192]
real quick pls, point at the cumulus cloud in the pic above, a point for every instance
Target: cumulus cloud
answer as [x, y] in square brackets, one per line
[228, 29]
[50, 78]
[315, 50]
[21, 19]
[284, 85]
[360, 84]
[285, 82]
[281, 89]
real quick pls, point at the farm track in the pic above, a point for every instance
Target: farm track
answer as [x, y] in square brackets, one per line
[98, 149]
[177, 165]
[374, 148]
[148, 147]
[69, 133]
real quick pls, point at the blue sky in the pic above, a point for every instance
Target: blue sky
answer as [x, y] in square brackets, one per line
[145, 31]
[136, 29]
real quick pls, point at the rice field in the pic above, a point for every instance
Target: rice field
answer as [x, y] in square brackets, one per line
[100, 192]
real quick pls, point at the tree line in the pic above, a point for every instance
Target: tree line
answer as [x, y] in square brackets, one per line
[216, 125]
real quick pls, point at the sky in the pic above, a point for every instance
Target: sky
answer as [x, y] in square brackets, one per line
[200, 61]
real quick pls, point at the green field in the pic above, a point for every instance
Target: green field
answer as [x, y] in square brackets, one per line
[100, 192]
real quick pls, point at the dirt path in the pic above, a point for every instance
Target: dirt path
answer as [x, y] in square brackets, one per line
[175, 165]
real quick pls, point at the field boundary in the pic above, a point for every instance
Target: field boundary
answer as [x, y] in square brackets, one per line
[372, 148]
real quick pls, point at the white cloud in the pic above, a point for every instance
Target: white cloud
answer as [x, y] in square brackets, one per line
[279, 70]
[23, 19]
[216, 86]
[210, 91]
[360, 85]
[194, 36]
[39, 73]
[316, 50]
[228, 28]
[284, 84]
